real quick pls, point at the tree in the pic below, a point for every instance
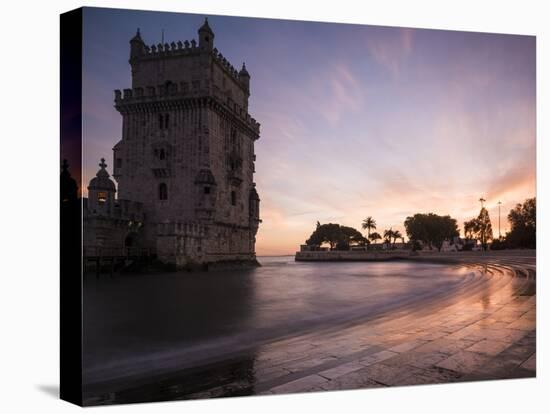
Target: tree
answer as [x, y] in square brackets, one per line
[369, 224]
[396, 235]
[469, 228]
[430, 229]
[374, 236]
[523, 221]
[388, 235]
[483, 229]
[336, 236]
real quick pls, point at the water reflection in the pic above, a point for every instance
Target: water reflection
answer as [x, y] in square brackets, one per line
[144, 324]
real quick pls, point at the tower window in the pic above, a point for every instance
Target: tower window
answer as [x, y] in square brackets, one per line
[164, 121]
[233, 198]
[162, 154]
[206, 190]
[101, 197]
[118, 163]
[163, 191]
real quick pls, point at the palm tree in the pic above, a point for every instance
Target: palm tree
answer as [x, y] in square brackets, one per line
[369, 224]
[374, 237]
[396, 235]
[388, 235]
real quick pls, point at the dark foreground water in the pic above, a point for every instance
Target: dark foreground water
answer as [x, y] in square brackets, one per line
[135, 325]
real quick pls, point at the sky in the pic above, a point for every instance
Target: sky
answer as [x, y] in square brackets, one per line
[356, 120]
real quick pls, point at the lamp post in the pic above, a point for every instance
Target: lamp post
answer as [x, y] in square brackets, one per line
[499, 236]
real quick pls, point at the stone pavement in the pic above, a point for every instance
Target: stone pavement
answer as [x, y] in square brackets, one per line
[485, 331]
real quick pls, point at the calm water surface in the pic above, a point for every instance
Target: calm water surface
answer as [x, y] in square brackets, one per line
[132, 320]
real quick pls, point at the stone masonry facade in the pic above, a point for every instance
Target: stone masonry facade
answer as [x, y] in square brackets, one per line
[186, 157]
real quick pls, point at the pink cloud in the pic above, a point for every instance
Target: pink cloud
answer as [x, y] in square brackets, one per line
[391, 50]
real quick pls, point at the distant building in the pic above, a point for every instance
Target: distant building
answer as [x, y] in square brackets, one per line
[185, 163]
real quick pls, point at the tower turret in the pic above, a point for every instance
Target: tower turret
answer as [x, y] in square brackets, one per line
[137, 46]
[101, 191]
[206, 36]
[244, 78]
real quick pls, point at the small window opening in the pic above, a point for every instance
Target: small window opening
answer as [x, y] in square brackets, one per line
[163, 191]
[101, 197]
[206, 190]
[233, 198]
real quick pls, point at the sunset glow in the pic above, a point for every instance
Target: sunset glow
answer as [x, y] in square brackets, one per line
[355, 120]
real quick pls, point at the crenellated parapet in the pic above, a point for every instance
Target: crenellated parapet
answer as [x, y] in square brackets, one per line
[141, 52]
[225, 64]
[162, 50]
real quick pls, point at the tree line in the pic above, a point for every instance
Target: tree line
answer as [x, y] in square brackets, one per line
[432, 230]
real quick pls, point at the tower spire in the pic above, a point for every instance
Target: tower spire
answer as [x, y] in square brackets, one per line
[206, 36]
[137, 45]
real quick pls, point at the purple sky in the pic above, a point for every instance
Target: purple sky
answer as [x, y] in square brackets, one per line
[356, 120]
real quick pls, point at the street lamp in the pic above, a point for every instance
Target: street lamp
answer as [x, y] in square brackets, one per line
[499, 236]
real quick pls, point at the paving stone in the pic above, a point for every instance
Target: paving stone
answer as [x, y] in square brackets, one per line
[445, 345]
[524, 324]
[351, 381]
[341, 370]
[504, 335]
[267, 374]
[488, 347]
[377, 357]
[531, 363]
[463, 361]
[531, 314]
[308, 363]
[500, 368]
[299, 385]
[389, 374]
[433, 375]
[509, 316]
[407, 346]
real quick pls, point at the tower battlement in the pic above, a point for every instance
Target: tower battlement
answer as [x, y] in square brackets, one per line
[185, 48]
[144, 58]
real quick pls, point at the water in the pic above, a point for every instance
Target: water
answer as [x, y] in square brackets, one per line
[137, 324]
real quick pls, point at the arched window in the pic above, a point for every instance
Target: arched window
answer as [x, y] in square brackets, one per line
[161, 121]
[166, 121]
[163, 191]
[233, 198]
[162, 154]
[101, 197]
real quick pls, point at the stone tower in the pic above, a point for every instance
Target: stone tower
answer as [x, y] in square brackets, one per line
[187, 151]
